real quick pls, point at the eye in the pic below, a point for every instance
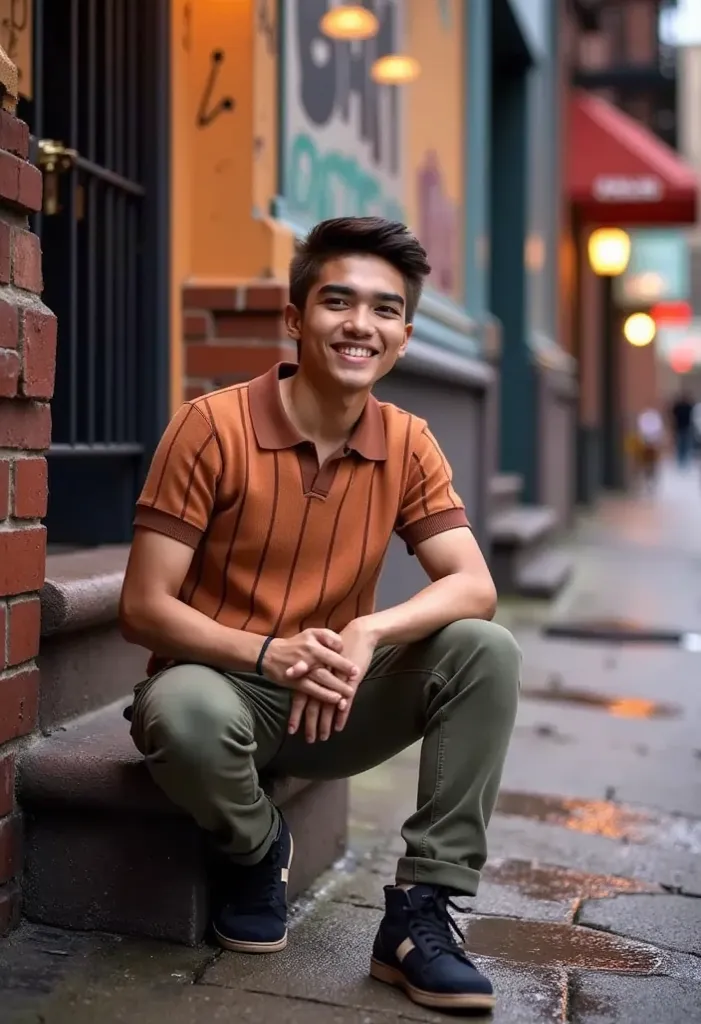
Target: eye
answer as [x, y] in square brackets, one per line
[387, 311]
[335, 302]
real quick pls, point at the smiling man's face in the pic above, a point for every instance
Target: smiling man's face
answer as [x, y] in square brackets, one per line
[353, 327]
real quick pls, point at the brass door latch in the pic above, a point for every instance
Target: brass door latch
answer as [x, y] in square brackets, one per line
[54, 159]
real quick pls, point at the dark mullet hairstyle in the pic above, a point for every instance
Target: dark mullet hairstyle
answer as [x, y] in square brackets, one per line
[352, 236]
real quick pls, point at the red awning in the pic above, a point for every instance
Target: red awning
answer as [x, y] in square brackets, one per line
[619, 172]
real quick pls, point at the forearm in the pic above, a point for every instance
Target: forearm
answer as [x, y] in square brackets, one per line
[454, 597]
[174, 630]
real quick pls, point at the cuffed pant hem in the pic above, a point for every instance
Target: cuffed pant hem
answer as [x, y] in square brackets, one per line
[424, 871]
[256, 856]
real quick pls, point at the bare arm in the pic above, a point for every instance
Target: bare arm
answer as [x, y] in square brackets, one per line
[461, 588]
[152, 614]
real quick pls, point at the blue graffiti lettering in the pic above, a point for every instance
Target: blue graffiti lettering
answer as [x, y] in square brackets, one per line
[333, 184]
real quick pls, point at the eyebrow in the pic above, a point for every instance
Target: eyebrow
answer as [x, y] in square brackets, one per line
[343, 289]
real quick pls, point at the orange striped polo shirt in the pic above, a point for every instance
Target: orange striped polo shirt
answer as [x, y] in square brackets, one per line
[280, 543]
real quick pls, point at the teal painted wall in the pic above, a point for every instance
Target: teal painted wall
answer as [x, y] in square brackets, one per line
[477, 162]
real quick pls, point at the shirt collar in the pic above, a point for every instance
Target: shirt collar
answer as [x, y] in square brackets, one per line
[275, 431]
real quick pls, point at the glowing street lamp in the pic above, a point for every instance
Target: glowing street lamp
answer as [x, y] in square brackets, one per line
[639, 329]
[609, 251]
[349, 21]
[395, 69]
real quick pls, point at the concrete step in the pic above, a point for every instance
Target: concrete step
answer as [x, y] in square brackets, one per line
[84, 661]
[505, 491]
[106, 850]
[517, 535]
[544, 575]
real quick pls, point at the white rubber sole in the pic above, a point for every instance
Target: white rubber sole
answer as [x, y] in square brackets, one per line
[432, 1000]
[233, 946]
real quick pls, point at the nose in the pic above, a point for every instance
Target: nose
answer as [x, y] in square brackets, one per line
[358, 323]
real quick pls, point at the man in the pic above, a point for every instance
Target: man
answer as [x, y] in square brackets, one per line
[682, 423]
[260, 535]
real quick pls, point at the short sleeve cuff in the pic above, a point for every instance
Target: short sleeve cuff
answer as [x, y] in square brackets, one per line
[167, 524]
[439, 522]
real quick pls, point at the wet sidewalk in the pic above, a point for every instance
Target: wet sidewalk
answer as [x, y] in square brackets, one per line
[590, 906]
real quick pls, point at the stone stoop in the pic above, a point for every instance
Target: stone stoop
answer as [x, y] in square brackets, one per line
[103, 847]
[105, 850]
[524, 559]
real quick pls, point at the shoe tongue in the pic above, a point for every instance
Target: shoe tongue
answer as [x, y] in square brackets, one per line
[418, 894]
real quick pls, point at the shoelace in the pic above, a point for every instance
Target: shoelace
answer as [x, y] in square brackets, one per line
[434, 925]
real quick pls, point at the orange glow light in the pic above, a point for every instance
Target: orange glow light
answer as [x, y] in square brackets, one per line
[682, 358]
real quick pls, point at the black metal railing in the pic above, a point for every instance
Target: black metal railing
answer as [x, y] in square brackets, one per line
[93, 135]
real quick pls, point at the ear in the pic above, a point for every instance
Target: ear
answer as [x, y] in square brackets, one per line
[293, 322]
[408, 331]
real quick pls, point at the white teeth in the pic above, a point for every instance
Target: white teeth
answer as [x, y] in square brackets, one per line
[354, 350]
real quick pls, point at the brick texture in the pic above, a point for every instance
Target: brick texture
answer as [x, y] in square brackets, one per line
[7, 784]
[26, 261]
[23, 626]
[10, 902]
[10, 848]
[39, 353]
[5, 253]
[22, 560]
[19, 702]
[31, 488]
[27, 366]
[233, 333]
[25, 425]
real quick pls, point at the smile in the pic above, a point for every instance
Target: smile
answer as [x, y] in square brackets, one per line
[355, 351]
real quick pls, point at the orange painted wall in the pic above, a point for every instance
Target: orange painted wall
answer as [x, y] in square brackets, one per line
[221, 179]
[224, 171]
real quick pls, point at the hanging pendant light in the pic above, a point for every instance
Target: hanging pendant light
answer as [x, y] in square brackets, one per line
[395, 69]
[348, 22]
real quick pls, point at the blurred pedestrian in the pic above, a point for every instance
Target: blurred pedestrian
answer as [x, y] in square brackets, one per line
[682, 411]
[649, 442]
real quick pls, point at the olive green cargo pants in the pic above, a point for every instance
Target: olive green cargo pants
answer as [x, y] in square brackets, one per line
[206, 735]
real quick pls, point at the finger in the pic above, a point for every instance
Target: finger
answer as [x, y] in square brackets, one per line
[299, 703]
[326, 720]
[335, 662]
[311, 720]
[311, 689]
[341, 717]
[330, 681]
[300, 668]
[329, 639]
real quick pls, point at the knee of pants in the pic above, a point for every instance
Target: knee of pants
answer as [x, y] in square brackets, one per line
[499, 655]
[189, 724]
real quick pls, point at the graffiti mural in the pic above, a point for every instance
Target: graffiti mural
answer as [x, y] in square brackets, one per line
[439, 224]
[343, 133]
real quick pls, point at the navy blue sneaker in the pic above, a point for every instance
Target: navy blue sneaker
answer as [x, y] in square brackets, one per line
[251, 911]
[416, 951]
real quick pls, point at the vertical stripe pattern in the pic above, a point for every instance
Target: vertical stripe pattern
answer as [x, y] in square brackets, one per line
[229, 479]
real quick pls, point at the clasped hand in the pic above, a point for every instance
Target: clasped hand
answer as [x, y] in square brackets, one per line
[324, 669]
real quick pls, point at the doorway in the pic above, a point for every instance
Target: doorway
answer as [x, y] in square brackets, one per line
[99, 124]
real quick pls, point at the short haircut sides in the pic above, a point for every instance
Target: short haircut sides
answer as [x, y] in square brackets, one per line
[352, 236]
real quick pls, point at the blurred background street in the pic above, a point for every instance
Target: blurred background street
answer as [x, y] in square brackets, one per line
[158, 162]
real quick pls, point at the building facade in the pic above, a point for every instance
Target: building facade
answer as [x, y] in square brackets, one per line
[179, 174]
[621, 171]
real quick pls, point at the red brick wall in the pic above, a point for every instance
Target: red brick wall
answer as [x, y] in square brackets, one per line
[233, 333]
[27, 359]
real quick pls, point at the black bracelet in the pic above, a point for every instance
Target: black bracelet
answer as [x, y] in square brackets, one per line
[259, 664]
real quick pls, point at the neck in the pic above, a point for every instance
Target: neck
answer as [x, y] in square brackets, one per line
[319, 415]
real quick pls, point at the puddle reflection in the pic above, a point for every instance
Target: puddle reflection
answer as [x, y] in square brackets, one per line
[618, 707]
[603, 818]
[558, 945]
